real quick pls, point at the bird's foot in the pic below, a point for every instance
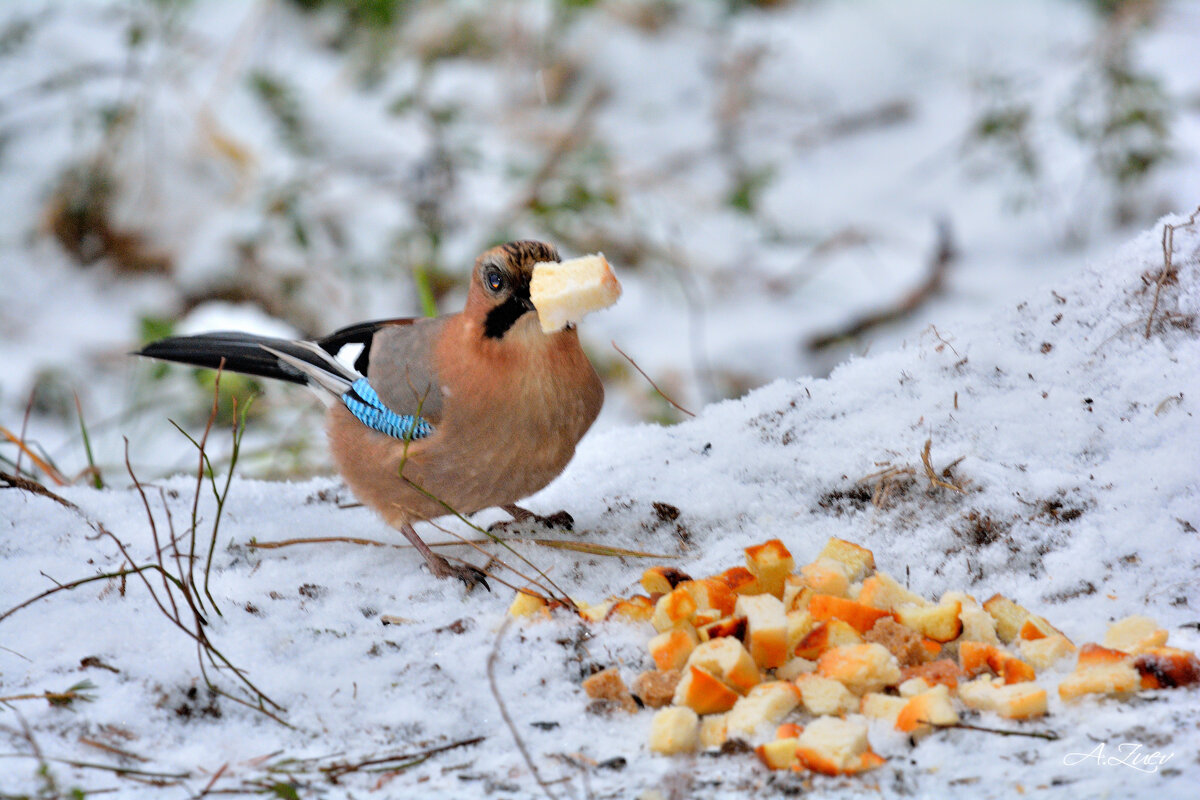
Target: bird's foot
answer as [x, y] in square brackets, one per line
[470, 576]
[522, 516]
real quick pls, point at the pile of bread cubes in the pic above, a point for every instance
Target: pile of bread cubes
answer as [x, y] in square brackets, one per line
[837, 642]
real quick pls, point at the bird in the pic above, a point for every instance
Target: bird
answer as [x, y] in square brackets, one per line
[437, 415]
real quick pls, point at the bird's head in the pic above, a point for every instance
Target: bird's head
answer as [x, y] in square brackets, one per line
[499, 293]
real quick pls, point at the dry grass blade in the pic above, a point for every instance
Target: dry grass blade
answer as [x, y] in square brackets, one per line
[650, 380]
[589, 548]
[932, 474]
[52, 473]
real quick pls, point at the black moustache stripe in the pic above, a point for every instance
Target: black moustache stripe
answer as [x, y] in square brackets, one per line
[503, 317]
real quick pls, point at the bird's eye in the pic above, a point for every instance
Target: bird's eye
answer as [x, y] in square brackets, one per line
[495, 281]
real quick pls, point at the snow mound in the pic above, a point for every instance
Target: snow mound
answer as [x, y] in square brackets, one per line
[1071, 433]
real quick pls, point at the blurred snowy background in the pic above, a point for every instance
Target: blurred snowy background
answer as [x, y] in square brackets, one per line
[780, 185]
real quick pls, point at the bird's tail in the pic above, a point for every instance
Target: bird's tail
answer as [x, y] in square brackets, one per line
[305, 363]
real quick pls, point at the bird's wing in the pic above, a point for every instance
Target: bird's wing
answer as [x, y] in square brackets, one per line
[396, 356]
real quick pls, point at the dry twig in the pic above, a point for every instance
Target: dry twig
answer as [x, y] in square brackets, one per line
[491, 674]
[944, 255]
[1169, 271]
[1047, 735]
[642, 372]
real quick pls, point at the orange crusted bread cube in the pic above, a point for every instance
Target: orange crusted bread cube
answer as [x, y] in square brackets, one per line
[778, 754]
[942, 623]
[1012, 701]
[703, 692]
[858, 561]
[660, 580]
[826, 576]
[728, 659]
[1100, 671]
[771, 563]
[826, 636]
[766, 703]
[674, 609]
[670, 649]
[1167, 667]
[857, 615]
[861, 668]
[882, 591]
[835, 746]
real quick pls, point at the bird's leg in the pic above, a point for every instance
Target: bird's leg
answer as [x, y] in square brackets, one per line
[442, 568]
[559, 519]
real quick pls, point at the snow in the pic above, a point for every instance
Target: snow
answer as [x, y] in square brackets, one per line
[1102, 423]
[1072, 433]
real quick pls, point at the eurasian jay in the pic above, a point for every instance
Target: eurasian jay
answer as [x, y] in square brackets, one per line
[460, 412]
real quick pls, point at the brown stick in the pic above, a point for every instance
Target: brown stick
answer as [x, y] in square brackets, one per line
[1048, 735]
[491, 674]
[944, 255]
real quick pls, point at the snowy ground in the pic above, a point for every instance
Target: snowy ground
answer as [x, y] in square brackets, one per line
[1077, 436]
[759, 176]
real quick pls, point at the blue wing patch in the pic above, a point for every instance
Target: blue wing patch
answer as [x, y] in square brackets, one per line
[364, 403]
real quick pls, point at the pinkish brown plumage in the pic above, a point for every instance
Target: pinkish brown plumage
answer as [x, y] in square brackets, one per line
[507, 403]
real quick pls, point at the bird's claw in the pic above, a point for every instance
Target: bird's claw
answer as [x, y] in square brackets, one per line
[470, 576]
[559, 519]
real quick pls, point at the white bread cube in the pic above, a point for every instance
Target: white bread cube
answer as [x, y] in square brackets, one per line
[527, 605]
[796, 593]
[766, 703]
[779, 754]
[566, 291]
[794, 668]
[882, 706]
[771, 563]
[1008, 615]
[861, 668]
[800, 623]
[927, 710]
[977, 624]
[1134, 635]
[835, 746]
[822, 696]
[942, 623]
[766, 628]
[857, 560]
[915, 686]
[1012, 701]
[713, 731]
[827, 576]
[883, 591]
[1044, 652]
[674, 730]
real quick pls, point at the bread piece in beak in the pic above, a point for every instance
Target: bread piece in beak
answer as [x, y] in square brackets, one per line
[564, 292]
